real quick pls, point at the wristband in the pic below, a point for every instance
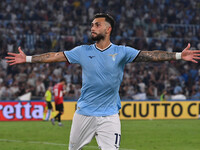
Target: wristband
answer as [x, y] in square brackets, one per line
[178, 56]
[28, 59]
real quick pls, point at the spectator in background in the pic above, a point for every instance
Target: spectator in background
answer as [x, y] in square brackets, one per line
[40, 28]
[178, 88]
[2, 90]
[178, 96]
[195, 94]
[140, 95]
[40, 88]
[14, 89]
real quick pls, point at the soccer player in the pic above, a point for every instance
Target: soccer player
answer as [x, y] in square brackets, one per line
[59, 91]
[48, 97]
[102, 72]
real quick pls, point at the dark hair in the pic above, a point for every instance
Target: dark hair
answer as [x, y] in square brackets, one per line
[108, 19]
[63, 80]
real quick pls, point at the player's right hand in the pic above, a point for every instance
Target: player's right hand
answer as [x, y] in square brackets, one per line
[14, 58]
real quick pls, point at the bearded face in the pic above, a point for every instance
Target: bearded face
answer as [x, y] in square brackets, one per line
[99, 29]
[97, 37]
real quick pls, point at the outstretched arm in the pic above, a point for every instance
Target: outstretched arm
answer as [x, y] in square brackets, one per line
[21, 57]
[187, 55]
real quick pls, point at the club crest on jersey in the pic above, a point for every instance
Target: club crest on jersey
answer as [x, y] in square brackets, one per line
[113, 56]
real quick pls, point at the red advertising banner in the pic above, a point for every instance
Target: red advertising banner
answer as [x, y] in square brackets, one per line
[21, 111]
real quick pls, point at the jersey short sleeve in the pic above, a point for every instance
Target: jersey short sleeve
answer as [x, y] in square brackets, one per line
[73, 55]
[131, 54]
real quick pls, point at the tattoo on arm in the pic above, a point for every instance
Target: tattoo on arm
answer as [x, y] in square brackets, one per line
[145, 56]
[47, 57]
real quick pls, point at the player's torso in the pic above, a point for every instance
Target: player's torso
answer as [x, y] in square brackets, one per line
[102, 75]
[103, 65]
[48, 96]
[58, 93]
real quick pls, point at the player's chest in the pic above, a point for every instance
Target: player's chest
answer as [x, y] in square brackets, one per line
[105, 60]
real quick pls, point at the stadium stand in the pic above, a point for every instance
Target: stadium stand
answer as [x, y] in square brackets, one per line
[61, 25]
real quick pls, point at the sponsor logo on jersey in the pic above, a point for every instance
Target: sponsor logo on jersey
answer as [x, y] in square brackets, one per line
[91, 56]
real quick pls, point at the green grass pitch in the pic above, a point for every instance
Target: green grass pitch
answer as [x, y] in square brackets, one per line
[136, 135]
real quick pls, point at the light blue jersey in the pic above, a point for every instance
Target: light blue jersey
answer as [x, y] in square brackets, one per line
[102, 74]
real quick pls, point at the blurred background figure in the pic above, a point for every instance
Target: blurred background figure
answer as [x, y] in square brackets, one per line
[48, 109]
[163, 96]
[59, 91]
[39, 28]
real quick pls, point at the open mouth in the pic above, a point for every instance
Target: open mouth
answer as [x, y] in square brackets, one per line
[93, 33]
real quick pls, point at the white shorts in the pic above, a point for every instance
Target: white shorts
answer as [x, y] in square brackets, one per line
[106, 130]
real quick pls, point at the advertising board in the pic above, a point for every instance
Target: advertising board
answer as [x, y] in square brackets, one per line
[15, 111]
[130, 110]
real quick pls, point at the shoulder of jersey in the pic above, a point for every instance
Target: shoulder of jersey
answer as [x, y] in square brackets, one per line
[119, 47]
[87, 47]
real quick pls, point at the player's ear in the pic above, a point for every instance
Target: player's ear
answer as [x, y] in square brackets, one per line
[109, 29]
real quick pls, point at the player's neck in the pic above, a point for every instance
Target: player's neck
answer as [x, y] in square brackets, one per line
[102, 45]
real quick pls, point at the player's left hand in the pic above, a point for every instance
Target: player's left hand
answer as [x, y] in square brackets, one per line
[190, 55]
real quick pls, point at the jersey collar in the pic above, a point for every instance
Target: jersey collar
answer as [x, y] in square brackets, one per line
[102, 50]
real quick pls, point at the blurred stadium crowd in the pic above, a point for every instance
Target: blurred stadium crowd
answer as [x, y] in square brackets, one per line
[41, 26]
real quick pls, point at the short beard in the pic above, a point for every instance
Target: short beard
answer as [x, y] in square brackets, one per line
[98, 37]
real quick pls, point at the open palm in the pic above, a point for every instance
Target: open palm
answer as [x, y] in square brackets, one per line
[190, 55]
[16, 58]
